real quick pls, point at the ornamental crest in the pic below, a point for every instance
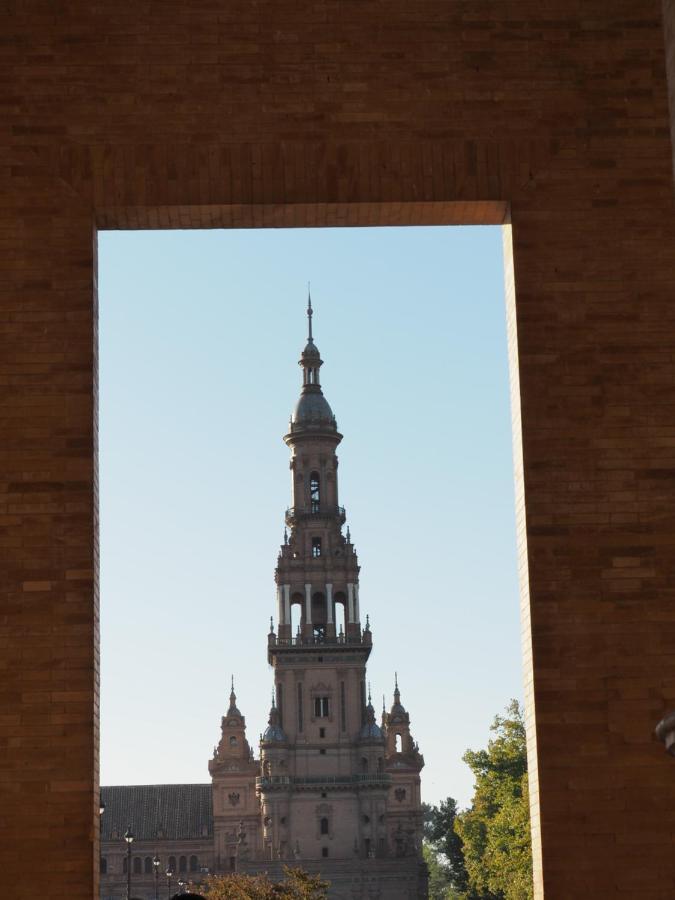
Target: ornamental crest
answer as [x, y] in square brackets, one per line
[233, 798]
[399, 793]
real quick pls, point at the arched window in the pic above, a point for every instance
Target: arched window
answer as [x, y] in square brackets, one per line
[194, 864]
[138, 865]
[314, 492]
[104, 865]
[233, 741]
[172, 864]
[399, 743]
[147, 865]
[364, 765]
[182, 864]
[324, 826]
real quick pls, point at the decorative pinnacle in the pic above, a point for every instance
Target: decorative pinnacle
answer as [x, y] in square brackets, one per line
[369, 699]
[395, 681]
[310, 313]
[285, 535]
[384, 705]
[271, 625]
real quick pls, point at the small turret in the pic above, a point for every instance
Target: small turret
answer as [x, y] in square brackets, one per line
[233, 745]
[370, 731]
[274, 733]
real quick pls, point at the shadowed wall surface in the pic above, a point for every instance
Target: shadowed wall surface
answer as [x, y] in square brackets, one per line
[550, 115]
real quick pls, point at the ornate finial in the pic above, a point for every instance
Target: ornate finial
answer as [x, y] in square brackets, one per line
[369, 699]
[384, 705]
[367, 622]
[233, 698]
[285, 535]
[349, 537]
[310, 313]
[274, 703]
[271, 625]
[395, 681]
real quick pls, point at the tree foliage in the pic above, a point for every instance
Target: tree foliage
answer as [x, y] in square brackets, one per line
[495, 830]
[440, 885]
[297, 885]
[484, 852]
[439, 831]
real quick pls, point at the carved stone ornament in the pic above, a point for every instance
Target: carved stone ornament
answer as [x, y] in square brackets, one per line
[399, 793]
[233, 798]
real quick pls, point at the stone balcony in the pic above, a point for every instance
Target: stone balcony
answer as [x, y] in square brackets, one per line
[357, 782]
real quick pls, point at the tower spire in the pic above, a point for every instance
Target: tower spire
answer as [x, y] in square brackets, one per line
[310, 313]
[233, 700]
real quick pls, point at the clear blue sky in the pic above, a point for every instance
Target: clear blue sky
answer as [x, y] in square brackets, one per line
[200, 333]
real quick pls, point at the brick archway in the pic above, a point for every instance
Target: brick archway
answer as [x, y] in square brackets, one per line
[550, 117]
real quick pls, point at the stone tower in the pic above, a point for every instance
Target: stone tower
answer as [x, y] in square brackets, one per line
[335, 786]
[236, 809]
[335, 792]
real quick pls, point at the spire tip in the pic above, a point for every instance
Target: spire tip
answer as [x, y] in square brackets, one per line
[310, 313]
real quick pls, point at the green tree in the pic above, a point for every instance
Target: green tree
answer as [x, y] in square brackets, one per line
[297, 885]
[495, 831]
[440, 885]
[439, 831]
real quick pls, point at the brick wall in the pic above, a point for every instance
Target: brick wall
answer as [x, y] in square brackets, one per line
[204, 114]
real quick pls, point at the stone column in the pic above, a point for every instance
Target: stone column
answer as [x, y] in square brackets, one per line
[350, 603]
[287, 604]
[329, 604]
[308, 604]
[357, 611]
[280, 606]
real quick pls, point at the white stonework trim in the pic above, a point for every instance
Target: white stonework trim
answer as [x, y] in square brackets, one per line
[350, 601]
[357, 612]
[308, 604]
[287, 604]
[329, 604]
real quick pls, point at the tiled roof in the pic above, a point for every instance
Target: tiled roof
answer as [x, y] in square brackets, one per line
[169, 811]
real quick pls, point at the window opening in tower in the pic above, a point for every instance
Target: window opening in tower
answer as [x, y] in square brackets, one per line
[321, 707]
[316, 547]
[314, 492]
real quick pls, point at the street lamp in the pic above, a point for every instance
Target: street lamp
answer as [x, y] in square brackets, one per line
[129, 838]
[155, 866]
[181, 885]
[169, 876]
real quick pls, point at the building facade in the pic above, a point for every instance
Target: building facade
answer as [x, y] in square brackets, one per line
[332, 790]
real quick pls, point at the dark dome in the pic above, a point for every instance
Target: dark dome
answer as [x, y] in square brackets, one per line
[371, 731]
[274, 733]
[311, 350]
[312, 407]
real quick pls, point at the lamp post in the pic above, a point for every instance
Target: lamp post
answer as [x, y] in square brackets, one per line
[181, 885]
[155, 866]
[169, 876]
[129, 838]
